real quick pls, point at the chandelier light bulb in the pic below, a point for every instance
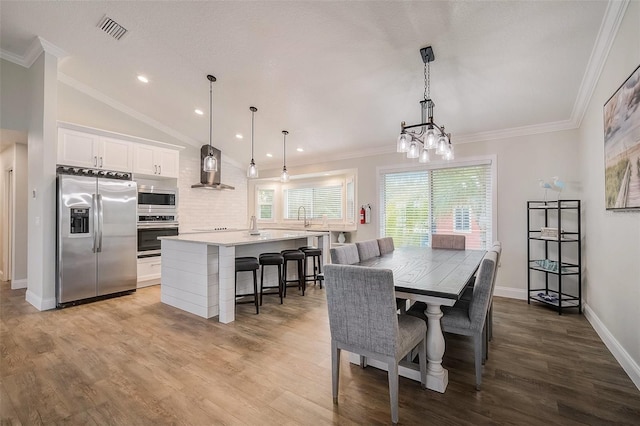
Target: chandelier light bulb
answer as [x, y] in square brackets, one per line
[252, 170]
[424, 156]
[403, 143]
[430, 139]
[441, 148]
[413, 151]
[210, 164]
[284, 177]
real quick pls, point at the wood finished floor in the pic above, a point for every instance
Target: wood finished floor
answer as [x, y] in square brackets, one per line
[134, 361]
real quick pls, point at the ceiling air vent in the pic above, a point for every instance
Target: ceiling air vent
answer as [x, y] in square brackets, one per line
[112, 28]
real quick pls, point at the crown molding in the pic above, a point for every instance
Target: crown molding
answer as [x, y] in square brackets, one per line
[99, 96]
[35, 49]
[606, 35]
[514, 132]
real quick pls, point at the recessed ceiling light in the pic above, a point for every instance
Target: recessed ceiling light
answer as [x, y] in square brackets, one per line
[199, 111]
[143, 79]
[299, 149]
[269, 155]
[239, 136]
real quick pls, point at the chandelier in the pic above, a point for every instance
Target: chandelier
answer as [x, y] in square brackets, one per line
[417, 139]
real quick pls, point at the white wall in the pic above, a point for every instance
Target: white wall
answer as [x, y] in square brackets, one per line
[20, 238]
[14, 87]
[202, 208]
[612, 243]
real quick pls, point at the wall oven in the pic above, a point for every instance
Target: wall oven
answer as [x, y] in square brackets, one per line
[155, 200]
[152, 226]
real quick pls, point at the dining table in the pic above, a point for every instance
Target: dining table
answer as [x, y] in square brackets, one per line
[438, 278]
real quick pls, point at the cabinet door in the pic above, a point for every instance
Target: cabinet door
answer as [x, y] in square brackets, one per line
[143, 160]
[168, 162]
[77, 148]
[115, 155]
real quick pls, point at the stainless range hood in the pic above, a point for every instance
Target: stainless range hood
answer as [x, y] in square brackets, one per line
[211, 180]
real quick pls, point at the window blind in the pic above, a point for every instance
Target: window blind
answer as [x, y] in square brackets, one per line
[316, 200]
[453, 200]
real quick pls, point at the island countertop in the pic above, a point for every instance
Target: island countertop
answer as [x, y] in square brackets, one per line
[238, 238]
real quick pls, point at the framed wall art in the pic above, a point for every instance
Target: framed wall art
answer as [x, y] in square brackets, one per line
[622, 146]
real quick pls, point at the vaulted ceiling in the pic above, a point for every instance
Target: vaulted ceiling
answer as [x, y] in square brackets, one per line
[340, 76]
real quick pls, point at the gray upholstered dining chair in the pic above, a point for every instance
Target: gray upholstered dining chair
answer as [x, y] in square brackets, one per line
[497, 247]
[469, 319]
[385, 245]
[363, 320]
[345, 255]
[368, 249]
[448, 241]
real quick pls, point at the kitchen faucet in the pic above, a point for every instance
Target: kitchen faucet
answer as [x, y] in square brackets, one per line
[306, 223]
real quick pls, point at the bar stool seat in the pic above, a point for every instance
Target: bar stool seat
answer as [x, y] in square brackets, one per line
[299, 257]
[248, 264]
[266, 259]
[314, 253]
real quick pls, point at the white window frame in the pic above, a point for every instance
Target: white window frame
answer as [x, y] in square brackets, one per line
[274, 205]
[315, 183]
[463, 230]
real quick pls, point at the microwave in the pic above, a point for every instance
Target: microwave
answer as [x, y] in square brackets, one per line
[152, 199]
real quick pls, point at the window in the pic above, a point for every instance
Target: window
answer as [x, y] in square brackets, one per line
[455, 199]
[317, 201]
[265, 204]
[461, 222]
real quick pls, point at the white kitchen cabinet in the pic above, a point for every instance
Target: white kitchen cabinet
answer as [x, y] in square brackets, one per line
[149, 271]
[82, 149]
[155, 161]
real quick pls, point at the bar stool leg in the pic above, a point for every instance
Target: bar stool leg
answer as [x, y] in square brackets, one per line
[284, 279]
[280, 283]
[255, 291]
[319, 271]
[302, 278]
[261, 282]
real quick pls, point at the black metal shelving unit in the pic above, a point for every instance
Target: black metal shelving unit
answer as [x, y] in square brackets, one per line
[554, 292]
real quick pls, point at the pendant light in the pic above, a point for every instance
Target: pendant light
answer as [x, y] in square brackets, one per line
[415, 140]
[284, 177]
[252, 171]
[210, 164]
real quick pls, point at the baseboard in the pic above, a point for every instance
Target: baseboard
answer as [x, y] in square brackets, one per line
[16, 284]
[619, 353]
[40, 303]
[511, 293]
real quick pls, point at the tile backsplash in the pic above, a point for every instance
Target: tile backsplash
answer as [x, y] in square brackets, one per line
[202, 208]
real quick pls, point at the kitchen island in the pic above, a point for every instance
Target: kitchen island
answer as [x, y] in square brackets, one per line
[198, 270]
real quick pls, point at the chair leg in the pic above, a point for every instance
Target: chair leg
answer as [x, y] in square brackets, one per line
[422, 356]
[393, 390]
[320, 269]
[363, 361]
[490, 322]
[477, 352]
[335, 370]
[301, 275]
[284, 279]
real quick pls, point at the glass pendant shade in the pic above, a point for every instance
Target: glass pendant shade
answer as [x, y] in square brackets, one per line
[441, 148]
[284, 177]
[210, 164]
[252, 170]
[403, 143]
[430, 139]
[414, 151]
[449, 154]
[424, 156]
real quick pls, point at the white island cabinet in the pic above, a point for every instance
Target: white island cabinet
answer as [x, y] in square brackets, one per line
[198, 270]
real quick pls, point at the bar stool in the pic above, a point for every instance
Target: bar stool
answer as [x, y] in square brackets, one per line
[314, 253]
[266, 259]
[299, 257]
[248, 264]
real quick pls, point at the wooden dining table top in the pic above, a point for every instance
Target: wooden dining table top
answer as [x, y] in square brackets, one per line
[441, 273]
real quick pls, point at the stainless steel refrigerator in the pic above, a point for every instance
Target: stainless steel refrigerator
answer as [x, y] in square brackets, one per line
[96, 234]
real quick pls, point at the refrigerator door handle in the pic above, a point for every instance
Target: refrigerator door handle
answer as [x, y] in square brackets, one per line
[94, 206]
[101, 222]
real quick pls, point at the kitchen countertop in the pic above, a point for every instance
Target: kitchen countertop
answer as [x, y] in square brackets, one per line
[237, 238]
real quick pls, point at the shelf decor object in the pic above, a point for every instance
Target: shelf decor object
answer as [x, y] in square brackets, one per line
[417, 139]
[622, 146]
[556, 279]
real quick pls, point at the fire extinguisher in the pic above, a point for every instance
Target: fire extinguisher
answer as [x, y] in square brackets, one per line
[363, 215]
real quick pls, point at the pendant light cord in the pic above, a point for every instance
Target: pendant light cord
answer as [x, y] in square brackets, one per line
[210, 113]
[252, 115]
